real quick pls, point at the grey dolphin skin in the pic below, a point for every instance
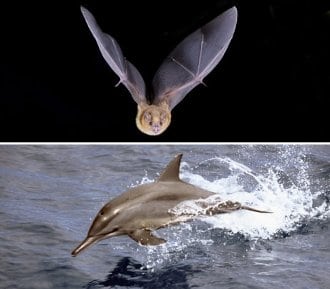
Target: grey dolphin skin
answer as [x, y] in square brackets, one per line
[145, 208]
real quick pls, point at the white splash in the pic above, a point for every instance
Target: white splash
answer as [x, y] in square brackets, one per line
[290, 205]
[291, 201]
[279, 184]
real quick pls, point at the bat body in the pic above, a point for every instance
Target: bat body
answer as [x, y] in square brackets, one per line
[185, 68]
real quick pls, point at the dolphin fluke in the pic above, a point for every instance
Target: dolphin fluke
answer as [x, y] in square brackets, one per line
[255, 210]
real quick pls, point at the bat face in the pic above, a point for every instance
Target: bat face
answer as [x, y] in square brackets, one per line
[152, 119]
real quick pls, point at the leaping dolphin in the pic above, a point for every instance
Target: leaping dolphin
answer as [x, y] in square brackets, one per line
[145, 208]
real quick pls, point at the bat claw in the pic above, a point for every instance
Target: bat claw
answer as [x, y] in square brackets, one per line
[119, 82]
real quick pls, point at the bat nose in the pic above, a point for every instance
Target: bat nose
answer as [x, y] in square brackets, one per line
[156, 128]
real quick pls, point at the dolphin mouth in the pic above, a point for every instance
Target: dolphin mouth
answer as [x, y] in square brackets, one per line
[86, 243]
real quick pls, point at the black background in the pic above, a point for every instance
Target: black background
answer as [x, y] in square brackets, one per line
[272, 85]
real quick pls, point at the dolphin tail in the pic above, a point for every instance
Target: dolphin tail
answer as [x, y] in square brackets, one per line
[254, 210]
[229, 206]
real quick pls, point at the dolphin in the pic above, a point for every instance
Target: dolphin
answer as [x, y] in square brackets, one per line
[145, 208]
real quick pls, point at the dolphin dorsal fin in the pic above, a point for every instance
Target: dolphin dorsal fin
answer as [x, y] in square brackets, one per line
[171, 172]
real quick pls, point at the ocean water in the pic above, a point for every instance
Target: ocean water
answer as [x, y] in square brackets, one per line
[49, 194]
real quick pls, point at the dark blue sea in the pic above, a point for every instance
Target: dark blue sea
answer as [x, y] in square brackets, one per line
[49, 194]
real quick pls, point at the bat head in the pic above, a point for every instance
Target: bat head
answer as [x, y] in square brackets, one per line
[153, 119]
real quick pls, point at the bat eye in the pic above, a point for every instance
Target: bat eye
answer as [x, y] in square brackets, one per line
[160, 123]
[101, 213]
[150, 123]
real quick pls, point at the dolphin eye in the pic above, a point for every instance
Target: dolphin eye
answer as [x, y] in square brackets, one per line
[101, 213]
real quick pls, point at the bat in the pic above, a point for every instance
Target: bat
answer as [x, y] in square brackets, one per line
[185, 68]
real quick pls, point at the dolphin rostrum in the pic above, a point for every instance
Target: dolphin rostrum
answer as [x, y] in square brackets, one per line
[145, 208]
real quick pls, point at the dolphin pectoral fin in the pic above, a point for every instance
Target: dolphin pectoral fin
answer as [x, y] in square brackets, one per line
[145, 237]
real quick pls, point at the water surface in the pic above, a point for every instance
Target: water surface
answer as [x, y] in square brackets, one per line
[49, 195]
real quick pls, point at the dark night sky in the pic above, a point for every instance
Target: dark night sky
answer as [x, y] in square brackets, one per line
[272, 85]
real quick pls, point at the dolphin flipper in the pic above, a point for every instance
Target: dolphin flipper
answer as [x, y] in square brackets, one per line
[145, 237]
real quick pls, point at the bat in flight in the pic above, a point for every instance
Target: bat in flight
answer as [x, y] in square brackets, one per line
[185, 68]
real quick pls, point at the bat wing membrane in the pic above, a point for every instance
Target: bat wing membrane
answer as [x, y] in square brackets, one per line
[111, 52]
[193, 59]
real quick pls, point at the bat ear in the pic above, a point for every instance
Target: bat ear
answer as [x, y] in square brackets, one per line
[193, 59]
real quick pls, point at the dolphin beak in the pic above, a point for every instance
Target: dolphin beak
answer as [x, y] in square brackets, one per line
[90, 240]
[86, 243]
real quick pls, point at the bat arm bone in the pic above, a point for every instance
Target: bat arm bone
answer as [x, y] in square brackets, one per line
[194, 76]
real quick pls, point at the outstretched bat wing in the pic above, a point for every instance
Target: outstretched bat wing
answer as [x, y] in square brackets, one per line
[193, 59]
[110, 50]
